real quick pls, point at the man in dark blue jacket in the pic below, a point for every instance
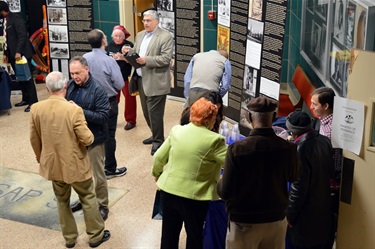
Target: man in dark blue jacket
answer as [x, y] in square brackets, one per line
[86, 92]
[309, 211]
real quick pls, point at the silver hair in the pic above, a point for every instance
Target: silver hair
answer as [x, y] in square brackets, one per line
[152, 13]
[55, 81]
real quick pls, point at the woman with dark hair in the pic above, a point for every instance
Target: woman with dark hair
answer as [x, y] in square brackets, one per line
[216, 99]
[187, 168]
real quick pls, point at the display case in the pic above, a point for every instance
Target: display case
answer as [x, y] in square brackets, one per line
[329, 30]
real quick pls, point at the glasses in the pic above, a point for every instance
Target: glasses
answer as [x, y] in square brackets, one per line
[146, 20]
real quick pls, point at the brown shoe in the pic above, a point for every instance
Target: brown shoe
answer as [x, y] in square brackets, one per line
[129, 126]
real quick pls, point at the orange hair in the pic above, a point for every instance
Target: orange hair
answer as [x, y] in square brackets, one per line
[202, 111]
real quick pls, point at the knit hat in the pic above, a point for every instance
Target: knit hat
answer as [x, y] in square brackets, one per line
[262, 104]
[123, 29]
[298, 122]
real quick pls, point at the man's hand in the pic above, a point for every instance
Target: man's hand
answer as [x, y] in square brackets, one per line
[141, 60]
[18, 56]
[5, 59]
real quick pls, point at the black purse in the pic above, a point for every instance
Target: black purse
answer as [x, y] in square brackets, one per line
[133, 85]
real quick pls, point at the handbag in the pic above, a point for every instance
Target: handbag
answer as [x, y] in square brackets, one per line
[157, 213]
[133, 85]
[22, 70]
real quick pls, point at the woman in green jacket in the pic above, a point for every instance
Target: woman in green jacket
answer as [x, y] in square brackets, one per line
[187, 168]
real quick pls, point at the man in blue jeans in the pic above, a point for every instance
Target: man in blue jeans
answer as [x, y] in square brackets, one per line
[107, 72]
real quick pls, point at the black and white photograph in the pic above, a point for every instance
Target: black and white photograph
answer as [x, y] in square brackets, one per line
[56, 16]
[166, 5]
[244, 118]
[349, 34]
[58, 33]
[59, 51]
[14, 5]
[256, 9]
[223, 17]
[166, 21]
[255, 30]
[338, 27]
[322, 48]
[56, 3]
[249, 80]
[244, 113]
[321, 10]
[339, 68]
[315, 41]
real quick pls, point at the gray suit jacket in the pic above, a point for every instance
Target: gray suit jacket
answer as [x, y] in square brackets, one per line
[155, 75]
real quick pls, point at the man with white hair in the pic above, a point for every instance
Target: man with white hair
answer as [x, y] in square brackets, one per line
[59, 136]
[154, 46]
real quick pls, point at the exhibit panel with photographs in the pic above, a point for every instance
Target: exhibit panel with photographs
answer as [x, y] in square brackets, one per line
[257, 30]
[314, 33]
[353, 26]
[68, 25]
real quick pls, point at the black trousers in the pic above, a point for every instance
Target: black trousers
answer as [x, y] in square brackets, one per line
[153, 110]
[27, 87]
[176, 211]
[110, 143]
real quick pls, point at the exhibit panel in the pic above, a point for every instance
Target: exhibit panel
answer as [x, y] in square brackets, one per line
[330, 29]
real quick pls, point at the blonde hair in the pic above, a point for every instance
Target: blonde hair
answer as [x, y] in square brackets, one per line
[202, 111]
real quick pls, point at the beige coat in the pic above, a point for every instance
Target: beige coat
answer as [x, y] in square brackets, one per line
[59, 136]
[156, 75]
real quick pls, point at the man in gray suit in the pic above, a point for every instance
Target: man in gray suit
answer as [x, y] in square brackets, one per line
[154, 46]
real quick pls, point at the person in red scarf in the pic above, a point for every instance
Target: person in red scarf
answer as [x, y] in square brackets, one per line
[119, 36]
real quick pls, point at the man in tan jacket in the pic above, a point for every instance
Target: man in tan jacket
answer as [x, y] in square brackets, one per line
[59, 136]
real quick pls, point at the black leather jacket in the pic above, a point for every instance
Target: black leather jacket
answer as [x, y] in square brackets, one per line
[309, 209]
[95, 104]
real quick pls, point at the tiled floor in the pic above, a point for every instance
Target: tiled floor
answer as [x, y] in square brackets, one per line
[129, 219]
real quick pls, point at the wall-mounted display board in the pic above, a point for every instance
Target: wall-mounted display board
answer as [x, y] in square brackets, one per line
[256, 39]
[329, 30]
[69, 21]
[182, 19]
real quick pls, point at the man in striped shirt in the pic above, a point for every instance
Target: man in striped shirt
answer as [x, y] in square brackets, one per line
[322, 105]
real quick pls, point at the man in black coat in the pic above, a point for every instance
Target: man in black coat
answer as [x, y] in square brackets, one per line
[257, 170]
[309, 211]
[18, 45]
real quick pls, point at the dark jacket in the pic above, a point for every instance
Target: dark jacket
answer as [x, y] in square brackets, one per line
[95, 104]
[17, 37]
[256, 174]
[124, 66]
[309, 209]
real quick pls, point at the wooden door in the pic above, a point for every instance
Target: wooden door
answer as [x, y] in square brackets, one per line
[139, 7]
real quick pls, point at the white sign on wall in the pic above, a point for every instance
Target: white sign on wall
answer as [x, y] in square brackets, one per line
[347, 124]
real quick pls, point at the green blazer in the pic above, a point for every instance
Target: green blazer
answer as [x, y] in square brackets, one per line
[189, 161]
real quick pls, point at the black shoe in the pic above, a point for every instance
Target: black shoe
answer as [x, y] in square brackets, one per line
[70, 245]
[118, 172]
[129, 126]
[104, 213]
[148, 140]
[106, 237]
[75, 206]
[27, 108]
[22, 103]
[155, 147]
